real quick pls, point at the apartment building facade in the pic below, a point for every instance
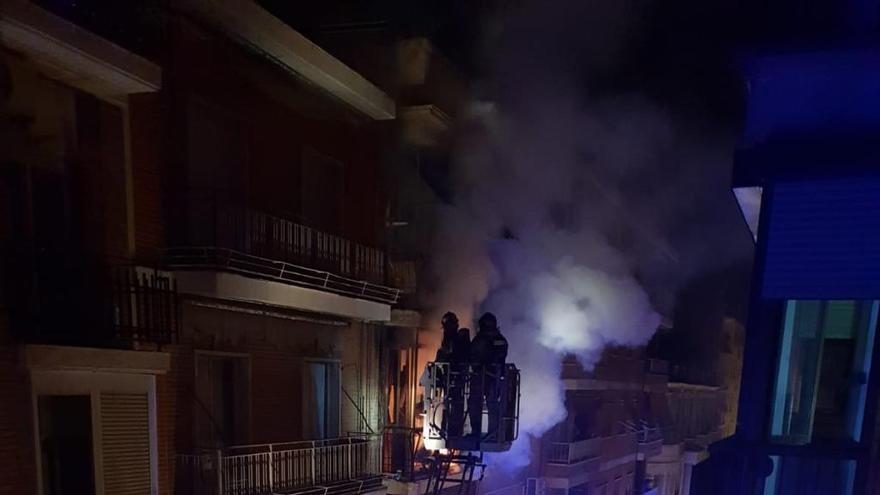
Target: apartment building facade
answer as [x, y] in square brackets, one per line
[610, 430]
[224, 284]
[83, 322]
[630, 429]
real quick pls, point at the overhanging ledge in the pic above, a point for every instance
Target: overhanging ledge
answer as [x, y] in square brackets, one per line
[73, 55]
[69, 358]
[233, 287]
[253, 26]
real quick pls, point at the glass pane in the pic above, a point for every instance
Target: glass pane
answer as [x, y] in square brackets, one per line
[809, 476]
[823, 364]
[318, 375]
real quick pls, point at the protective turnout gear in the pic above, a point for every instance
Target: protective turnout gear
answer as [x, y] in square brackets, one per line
[454, 351]
[489, 346]
[461, 347]
[449, 322]
[459, 360]
[488, 355]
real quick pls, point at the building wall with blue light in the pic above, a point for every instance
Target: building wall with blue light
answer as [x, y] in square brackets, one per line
[808, 405]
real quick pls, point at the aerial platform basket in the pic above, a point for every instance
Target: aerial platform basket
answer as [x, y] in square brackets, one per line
[451, 394]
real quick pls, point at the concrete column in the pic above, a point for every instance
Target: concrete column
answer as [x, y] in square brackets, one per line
[686, 479]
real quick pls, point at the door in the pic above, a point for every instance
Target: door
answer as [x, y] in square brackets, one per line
[321, 400]
[222, 400]
[65, 423]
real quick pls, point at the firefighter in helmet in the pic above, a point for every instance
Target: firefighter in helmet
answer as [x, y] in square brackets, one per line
[449, 322]
[454, 351]
[488, 353]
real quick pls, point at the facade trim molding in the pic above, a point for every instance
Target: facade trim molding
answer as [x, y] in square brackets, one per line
[68, 358]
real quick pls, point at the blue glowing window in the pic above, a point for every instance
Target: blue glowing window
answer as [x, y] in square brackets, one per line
[822, 373]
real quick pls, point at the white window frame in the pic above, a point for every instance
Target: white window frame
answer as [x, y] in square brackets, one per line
[92, 384]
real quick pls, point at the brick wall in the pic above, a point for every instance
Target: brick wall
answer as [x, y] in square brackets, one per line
[17, 457]
[278, 349]
[146, 123]
[171, 418]
[273, 120]
[96, 170]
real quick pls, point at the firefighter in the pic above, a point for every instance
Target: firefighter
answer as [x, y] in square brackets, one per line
[461, 347]
[488, 355]
[459, 367]
[449, 322]
[451, 356]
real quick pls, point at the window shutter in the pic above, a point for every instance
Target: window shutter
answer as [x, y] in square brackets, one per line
[823, 240]
[125, 442]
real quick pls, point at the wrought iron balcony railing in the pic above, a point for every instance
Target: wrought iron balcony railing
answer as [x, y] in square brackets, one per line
[348, 465]
[235, 238]
[195, 258]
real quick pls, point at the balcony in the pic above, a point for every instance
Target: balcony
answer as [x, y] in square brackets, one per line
[572, 459]
[254, 244]
[340, 466]
[69, 300]
[574, 452]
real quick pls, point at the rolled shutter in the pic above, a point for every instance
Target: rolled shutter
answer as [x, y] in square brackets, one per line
[823, 240]
[125, 442]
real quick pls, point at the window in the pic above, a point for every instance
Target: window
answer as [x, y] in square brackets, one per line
[823, 365]
[399, 386]
[321, 402]
[95, 431]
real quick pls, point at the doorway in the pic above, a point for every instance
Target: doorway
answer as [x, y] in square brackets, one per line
[321, 399]
[65, 426]
[223, 400]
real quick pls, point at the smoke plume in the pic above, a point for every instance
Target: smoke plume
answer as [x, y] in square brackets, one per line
[577, 213]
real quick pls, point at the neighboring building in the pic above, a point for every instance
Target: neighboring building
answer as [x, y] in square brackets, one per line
[194, 247]
[630, 428]
[611, 428]
[730, 365]
[806, 178]
[694, 421]
[84, 324]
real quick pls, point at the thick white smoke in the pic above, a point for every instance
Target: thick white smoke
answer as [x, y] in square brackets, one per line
[575, 217]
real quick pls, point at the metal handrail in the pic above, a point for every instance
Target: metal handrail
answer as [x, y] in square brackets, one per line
[574, 452]
[199, 257]
[226, 223]
[304, 444]
[256, 469]
[442, 377]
